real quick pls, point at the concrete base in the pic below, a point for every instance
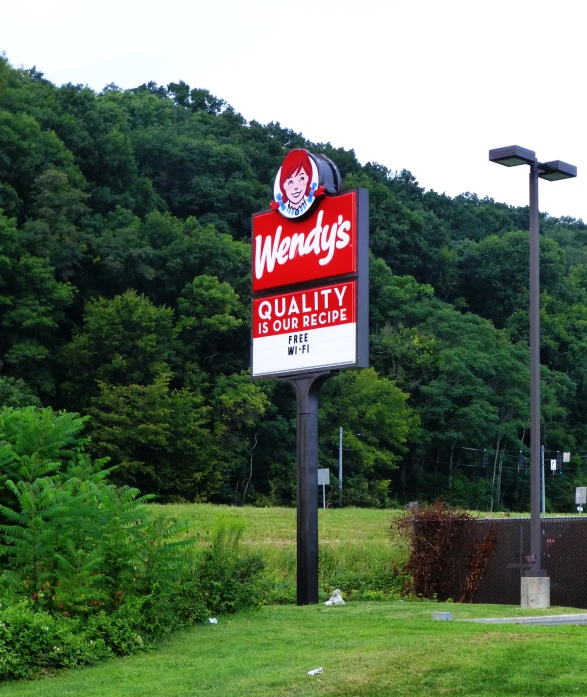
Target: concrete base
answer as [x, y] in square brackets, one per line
[535, 591]
[580, 618]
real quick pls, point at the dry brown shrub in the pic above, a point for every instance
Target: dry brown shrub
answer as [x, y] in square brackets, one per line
[447, 560]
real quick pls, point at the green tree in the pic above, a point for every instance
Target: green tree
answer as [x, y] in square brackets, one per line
[210, 320]
[238, 407]
[52, 230]
[376, 419]
[32, 308]
[124, 341]
[16, 394]
[27, 151]
[495, 273]
[157, 437]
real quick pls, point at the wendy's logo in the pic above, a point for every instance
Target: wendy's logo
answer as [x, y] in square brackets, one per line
[303, 178]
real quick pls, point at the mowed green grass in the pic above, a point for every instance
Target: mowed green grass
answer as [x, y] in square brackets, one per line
[365, 650]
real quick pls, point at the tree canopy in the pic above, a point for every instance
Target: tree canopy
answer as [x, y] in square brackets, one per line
[125, 297]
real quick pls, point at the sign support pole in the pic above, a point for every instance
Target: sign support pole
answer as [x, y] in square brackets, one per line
[340, 466]
[307, 388]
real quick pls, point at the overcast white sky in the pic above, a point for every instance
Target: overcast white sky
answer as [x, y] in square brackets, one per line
[424, 85]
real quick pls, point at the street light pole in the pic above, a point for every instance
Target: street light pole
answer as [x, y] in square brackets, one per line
[535, 588]
[543, 482]
[535, 566]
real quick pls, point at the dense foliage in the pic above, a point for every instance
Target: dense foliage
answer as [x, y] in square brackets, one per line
[124, 296]
[87, 570]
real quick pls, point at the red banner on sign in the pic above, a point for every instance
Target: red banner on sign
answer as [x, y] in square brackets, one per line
[322, 245]
[324, 306]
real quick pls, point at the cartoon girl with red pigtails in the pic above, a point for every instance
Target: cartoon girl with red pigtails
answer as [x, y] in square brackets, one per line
[296, 184]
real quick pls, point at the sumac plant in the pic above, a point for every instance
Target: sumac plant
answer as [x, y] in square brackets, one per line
[447, 559]
[74, 544]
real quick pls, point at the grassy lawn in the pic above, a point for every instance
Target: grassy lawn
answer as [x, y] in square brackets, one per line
[276, 527]
[354, 542]
[366, 650]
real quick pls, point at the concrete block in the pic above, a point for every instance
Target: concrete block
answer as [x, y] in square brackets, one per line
[442, 615]
[575, 618]
[535, 592]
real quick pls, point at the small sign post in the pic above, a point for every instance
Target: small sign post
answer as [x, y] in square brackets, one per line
[310, 311]
[553, 466]
[324, 481]
[580, 497]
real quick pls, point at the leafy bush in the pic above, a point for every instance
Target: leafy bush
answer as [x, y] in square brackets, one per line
[120, 631]
[230, 581]
[360, 576]
[364, 493]
[31, 640]
[89, 571]
[280, 591]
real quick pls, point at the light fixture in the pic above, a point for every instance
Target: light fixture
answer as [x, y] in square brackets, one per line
[512, 156]
[555, 170]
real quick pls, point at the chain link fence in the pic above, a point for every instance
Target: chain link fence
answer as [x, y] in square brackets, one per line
[563, 556]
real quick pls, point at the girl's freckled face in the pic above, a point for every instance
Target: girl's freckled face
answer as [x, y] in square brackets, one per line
[295, 186]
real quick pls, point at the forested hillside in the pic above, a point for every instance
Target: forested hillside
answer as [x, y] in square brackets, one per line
[125, 296]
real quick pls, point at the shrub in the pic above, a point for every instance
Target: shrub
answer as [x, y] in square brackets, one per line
[32, 640]
[364, 493]
[440, 538]
[90, 572]
[280, 592]
[120, 631]
[228, 579]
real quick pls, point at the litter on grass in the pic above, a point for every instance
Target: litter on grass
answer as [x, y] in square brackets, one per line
[212, 620]
[335, 599]
[316, 671]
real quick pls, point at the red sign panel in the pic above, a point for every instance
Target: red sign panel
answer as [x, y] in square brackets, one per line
[322, 245]
[305, 330]
[325, 306]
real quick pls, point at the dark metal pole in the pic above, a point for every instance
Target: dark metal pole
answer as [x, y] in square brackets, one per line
[543, 481]
[535, 566]
[307, 388]
[340, 466]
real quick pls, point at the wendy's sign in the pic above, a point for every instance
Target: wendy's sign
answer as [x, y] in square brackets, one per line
[310, 272]
[305, 330]
[310, 311]
[301, 180]
[296, 184]
[321, 245]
